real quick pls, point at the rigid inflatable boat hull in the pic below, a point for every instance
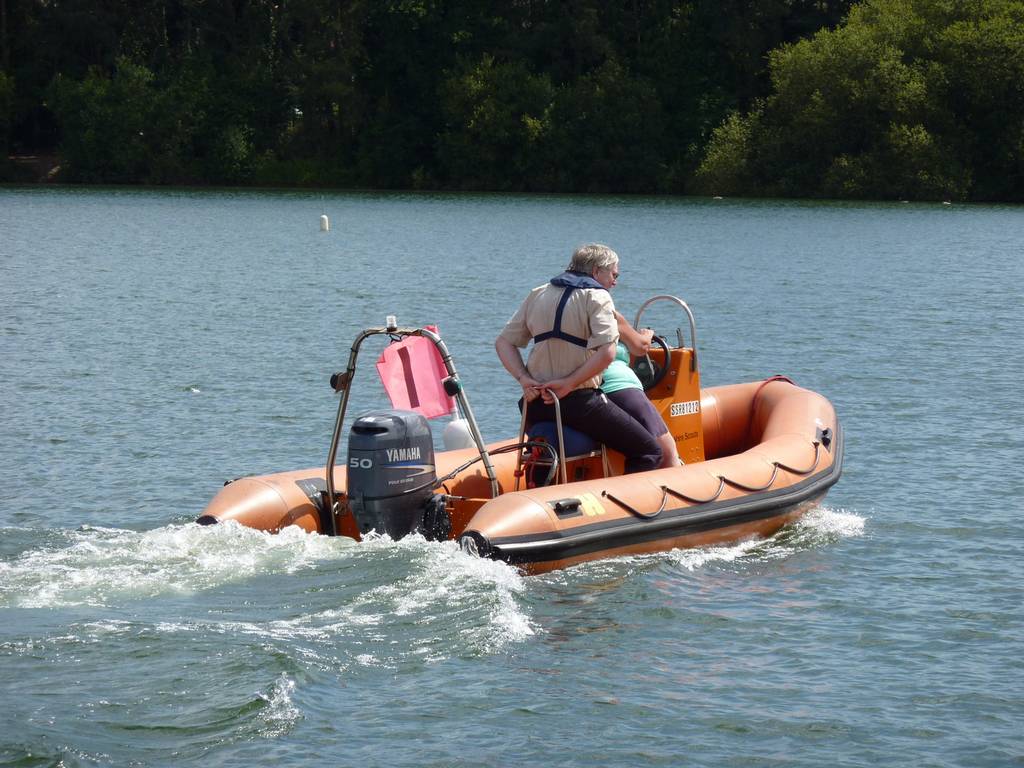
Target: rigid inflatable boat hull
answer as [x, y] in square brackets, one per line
[753, 517]
[775, 450]
[784, 450]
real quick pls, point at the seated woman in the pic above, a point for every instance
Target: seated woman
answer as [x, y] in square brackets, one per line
[623, 387]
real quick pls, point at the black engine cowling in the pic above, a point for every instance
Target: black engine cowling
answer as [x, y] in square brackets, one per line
[391, 474]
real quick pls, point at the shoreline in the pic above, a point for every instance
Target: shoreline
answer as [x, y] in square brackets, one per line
[34, 169]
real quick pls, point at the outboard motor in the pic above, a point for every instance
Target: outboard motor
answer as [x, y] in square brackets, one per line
[391, 475]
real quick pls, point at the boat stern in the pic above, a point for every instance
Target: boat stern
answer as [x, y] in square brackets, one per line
[256, 502]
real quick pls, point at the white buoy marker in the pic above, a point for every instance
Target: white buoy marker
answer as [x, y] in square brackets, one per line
[325, 225]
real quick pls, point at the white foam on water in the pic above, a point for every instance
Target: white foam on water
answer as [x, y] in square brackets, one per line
[280, 714]
[447, 581]
[817, 527]
[700, 557]
[104, 566]
[421, 599]
[473, 602]
[691, 559]
[834, 523]
[511, 623]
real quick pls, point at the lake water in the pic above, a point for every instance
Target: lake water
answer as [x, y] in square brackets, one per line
[156, 343]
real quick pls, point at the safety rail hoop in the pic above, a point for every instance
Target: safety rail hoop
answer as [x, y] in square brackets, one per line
[753, 488]
[723, 481]
[637, 512]
[689, 315]
[814, 466]
[343, 382]
[694, 499]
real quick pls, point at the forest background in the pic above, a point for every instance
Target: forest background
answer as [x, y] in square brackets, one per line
[883, 99]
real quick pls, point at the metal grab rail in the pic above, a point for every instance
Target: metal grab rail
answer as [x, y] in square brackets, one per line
[561, 440]
[694, 499]
[689, 314]
[814, 466]
[636, 512]
[343, 382]
[723, 480]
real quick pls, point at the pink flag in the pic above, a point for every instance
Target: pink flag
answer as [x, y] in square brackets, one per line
[411, 371]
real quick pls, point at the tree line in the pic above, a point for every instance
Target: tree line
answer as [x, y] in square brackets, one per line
[909, 99]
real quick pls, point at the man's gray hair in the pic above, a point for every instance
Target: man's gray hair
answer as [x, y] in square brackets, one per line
[593, 256]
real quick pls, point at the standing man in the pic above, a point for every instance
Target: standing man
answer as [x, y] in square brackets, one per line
[571, 321]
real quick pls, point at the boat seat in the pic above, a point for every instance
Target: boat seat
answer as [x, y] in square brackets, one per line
[578, 445]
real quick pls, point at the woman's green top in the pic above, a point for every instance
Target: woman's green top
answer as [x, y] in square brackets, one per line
[619, 375]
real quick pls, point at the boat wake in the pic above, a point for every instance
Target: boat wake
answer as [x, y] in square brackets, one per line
[819, 527]
[279, 714]
[439, 601]
[470, 600]
[96, 566]
[834, 523]
[346, 601]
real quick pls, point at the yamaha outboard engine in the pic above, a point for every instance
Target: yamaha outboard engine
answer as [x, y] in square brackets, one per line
[391, 475]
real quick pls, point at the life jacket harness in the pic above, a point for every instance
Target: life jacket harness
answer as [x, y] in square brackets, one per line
[571, 281]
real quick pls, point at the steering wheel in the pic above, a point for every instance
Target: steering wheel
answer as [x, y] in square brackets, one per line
[648, 371]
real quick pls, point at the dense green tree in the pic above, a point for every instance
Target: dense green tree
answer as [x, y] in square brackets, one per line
[889, 105]
[497, 121]
[904, 98]
[105, 120]
[6, 110]
[608, 133]
[981, 60]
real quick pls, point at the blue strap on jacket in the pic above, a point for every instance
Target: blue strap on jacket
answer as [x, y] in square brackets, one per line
[571, 281]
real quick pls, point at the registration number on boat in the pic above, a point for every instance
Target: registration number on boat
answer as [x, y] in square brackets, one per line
[688, 408]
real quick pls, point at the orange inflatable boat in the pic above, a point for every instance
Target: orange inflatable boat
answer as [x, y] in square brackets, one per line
[757, 456]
